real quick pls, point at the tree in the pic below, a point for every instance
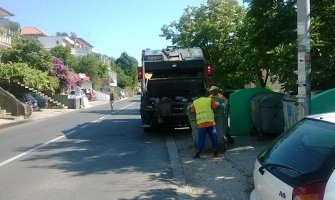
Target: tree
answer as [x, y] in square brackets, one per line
[273, 29]
[268, 34]
[30, 77]
[129, 66]
[259, 46]
[322, 44]
[122, 79]
[211, 27]
[92, 67]
[62, 34]
[64, 53]
[71, 34]
[63, 73]
[29, 51]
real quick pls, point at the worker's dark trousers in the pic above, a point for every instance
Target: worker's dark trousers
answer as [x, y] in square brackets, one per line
[202, 137]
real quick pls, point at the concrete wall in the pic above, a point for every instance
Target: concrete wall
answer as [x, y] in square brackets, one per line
[72, 103]
[101, 96]
[12, 105]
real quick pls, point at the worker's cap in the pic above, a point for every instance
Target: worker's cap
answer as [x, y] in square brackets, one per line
[214, 88]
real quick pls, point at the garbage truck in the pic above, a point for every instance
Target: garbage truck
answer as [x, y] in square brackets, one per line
[171, 79]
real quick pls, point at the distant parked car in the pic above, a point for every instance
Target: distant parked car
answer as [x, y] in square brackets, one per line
[122, 94]
[89, 94]
[138, 91]
[299, 164]
[28, 99]
[42, 101]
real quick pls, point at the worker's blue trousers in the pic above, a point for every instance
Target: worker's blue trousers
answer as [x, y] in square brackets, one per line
[202, 132]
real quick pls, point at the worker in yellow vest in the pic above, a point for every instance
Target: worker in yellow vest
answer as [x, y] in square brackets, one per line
[203, 108]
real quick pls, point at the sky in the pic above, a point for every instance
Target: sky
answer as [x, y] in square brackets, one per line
[111, 26]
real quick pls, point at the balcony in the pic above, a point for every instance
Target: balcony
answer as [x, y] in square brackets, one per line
[5, 41]
[80, 51]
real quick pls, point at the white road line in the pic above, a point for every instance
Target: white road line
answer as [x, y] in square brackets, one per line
[46, 143]
[34, 149]
[29, 151]
[86, 125]
[127, 106]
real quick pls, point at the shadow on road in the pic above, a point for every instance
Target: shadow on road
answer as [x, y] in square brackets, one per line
[110, 147]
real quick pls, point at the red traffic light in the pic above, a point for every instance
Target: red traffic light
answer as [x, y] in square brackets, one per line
[209, 70]
[139, 73]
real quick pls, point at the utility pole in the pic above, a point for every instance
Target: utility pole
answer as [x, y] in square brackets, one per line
[304, 58]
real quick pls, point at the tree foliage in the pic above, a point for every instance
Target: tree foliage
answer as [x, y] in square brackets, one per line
[63, 73]
[29, 51]
[126, 68]
[92, 67]
[64, 53]
[259, 44]
[323, 44]
[269, 41]
[31, 77]
[211, 27]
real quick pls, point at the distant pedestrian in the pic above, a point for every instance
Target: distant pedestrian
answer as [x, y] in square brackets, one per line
[203, 108]
[111, 100]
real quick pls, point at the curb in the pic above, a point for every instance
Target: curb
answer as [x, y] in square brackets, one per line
[10, 124]
[46, 113]
[182, 189]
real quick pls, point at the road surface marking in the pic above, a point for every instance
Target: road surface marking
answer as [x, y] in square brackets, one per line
[46, 143]
[127, 106]
[29, 151]
[34, 149]
[86, 125]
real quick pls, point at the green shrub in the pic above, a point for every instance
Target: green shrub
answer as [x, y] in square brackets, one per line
[30, 77]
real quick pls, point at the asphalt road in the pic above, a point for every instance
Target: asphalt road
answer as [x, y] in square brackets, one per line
[87, 154]
[95, 154]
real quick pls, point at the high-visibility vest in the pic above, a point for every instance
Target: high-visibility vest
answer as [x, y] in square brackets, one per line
[203, 109]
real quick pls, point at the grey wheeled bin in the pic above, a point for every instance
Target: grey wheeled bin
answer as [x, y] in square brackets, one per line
[267, 114]
[221, 121]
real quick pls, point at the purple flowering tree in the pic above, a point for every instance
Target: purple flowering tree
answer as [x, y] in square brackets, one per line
[62, 72]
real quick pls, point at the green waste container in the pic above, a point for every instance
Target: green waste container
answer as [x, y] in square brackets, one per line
[240, 121]
[323, 102]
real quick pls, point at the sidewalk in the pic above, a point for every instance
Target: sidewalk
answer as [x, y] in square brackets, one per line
[44, 113]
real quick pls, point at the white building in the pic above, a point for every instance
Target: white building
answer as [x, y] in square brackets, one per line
[5, 38]
[78, 46]
[50, 42]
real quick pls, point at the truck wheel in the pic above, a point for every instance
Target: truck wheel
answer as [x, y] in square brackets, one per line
[150, 128]
[147, 129]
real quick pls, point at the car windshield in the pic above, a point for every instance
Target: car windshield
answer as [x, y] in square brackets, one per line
[37, 97]
[306, 147]
[29, 97]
